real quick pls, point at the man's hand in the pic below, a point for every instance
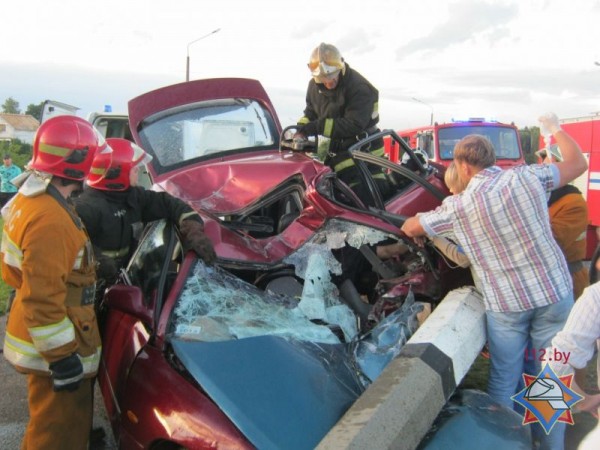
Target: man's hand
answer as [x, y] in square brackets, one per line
[193, 235]
[412, 227]
[67, 373]
[549, 123]
[310, 128]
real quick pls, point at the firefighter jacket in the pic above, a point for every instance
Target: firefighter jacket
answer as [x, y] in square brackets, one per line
[114, 221]
[569, 220]
[346, 114]
[47, 258]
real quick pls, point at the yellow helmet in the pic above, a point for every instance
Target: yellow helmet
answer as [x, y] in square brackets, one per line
[326, 62]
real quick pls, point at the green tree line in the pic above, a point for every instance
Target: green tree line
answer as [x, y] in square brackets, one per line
[20, 152]
[11, 106]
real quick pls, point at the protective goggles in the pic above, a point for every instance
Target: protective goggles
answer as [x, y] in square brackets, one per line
[319, 69]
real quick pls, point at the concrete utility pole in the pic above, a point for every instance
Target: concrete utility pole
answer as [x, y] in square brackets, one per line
[187, 66]
[426, 104]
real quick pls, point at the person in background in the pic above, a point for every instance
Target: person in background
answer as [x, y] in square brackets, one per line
[569, 221]
[580, 339]
[501, 222]
[115, 209]
[8, 171]
[342, 106]
[51, 333]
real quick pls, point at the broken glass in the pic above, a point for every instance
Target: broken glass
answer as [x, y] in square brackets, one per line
[214, 305]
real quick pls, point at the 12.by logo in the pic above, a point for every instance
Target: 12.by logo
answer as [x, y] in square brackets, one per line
[547, 399]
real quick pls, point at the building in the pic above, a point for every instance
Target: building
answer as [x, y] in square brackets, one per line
[18, 126]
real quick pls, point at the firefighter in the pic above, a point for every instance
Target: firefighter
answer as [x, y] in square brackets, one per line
[52, 334]
[568, 213]
[114, 210]
[341, 105]
[568, 219]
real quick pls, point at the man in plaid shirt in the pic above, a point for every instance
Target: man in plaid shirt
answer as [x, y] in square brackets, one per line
[501, 222]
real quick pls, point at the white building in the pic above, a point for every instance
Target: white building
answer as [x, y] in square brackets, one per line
[18, 126]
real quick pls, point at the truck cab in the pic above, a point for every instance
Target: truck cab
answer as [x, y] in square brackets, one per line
[108, 123]
[111, 125]
[437, 141]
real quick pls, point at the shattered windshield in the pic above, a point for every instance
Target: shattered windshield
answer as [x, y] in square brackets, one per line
[206, 128]
[214, 305]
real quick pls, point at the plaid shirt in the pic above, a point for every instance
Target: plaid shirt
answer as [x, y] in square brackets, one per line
[580, 335]
[501, 222]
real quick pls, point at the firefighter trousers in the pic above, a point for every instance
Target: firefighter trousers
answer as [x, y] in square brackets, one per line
[57, 420]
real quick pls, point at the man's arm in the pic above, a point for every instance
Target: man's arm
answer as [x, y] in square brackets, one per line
[573, 163]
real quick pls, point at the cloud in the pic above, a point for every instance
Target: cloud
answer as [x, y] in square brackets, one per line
[307, 29]
[355, 42]
[467, 21]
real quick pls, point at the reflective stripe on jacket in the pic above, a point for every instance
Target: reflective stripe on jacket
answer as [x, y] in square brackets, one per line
[47, 258]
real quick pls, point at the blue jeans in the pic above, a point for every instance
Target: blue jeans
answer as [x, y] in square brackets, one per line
[509, 334]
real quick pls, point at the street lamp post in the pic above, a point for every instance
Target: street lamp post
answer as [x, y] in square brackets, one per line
[426, 104]
[187, 65]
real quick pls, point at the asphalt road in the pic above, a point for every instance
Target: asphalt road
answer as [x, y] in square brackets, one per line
[14, 412]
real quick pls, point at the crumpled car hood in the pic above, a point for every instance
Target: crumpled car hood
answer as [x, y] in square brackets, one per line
[235, 182]
[285, 366]
[281, 393]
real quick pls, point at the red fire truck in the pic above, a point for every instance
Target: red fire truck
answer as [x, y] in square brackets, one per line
[438, 140]
[586, 131]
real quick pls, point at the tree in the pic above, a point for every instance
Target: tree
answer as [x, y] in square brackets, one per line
[530, 140]
[11, 106]
[35, 110]
[20, 152]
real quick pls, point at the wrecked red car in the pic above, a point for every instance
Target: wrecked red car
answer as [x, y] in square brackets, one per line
[270, 346]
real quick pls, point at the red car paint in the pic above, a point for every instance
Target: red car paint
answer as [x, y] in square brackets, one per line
[148, 398]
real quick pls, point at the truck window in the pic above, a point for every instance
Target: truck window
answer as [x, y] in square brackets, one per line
[504, 139]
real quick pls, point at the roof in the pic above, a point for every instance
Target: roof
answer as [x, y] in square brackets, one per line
[21, 122]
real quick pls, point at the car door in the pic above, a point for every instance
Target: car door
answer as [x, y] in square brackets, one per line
[133, 309]
[398, 190]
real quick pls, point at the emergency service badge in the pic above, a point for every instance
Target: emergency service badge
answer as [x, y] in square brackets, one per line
[547, 399]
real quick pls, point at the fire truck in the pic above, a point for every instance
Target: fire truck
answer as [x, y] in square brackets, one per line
[437, 141]
[586, 132]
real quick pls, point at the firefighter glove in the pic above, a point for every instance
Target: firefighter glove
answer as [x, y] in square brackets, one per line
[67, 373]
[193, 236]
[310, 129]
[549, 123]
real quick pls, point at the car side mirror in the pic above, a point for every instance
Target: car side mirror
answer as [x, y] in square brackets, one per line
[129, 300]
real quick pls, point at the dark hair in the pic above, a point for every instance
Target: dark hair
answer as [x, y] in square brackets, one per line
[7, 156]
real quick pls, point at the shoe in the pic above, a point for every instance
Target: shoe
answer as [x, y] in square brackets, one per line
[485, 351]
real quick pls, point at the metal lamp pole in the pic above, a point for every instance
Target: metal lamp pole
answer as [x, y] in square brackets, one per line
[187, 66]
[426, 104]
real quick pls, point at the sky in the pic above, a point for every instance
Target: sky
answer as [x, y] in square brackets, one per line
[500, 59]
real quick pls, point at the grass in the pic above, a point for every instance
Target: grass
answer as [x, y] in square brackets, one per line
[477, 376]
